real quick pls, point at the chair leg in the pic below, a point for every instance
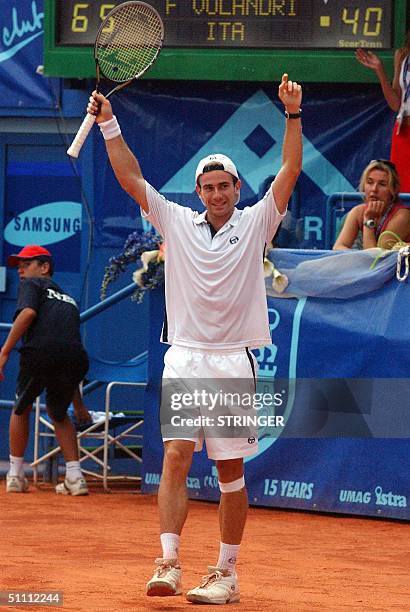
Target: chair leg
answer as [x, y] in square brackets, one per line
[36, 439]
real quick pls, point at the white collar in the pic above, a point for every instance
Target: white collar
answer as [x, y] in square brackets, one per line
[232, 221]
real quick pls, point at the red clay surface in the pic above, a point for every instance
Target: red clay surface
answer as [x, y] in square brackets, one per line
[99, 552]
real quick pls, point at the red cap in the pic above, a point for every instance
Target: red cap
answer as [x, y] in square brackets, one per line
[30, 251]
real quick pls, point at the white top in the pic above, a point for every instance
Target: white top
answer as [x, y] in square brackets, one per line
[214, 287]
[405, 106]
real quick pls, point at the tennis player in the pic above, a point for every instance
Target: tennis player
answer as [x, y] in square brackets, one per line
[216, 311]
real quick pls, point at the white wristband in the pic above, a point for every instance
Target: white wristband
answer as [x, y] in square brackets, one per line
[110, 129]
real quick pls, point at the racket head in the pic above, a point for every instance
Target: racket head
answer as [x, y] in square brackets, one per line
[128, 41]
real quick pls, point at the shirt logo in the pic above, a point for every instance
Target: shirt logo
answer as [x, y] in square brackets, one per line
[56, 295]
[234, 240]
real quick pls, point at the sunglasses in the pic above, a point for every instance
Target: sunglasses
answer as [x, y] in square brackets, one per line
[387, 162]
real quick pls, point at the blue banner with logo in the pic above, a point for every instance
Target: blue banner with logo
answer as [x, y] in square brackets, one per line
[43, 204]
[171, 125]
[341, 369]
[21, 52]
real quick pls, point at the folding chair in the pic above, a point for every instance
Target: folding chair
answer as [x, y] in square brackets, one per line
[44, 429]
[111, 432]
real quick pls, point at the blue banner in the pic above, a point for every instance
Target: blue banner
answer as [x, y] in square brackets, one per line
[171, 125]
[21, 53]
[346, 440]
[43, 204]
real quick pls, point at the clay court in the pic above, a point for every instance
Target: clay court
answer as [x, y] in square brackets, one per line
[99, 552]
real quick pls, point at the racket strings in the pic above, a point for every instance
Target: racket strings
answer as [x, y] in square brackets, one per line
[129, 42]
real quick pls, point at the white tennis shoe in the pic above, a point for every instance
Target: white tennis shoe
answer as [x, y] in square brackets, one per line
[217, 587]
[72, 487]
[16, 484]
[166, 580]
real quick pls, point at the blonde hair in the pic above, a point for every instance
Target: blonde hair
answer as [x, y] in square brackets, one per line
[385, 166]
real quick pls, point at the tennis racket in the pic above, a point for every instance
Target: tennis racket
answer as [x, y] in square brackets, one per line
[127, 44]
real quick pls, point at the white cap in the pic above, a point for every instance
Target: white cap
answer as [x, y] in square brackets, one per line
[216, 158]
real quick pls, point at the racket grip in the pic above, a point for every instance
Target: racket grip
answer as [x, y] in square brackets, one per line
[85, 128]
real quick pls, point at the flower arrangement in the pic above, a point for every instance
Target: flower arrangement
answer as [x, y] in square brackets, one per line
[148, 252]
[279, 281]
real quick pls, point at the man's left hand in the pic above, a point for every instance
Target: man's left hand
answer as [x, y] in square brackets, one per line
[290, 94]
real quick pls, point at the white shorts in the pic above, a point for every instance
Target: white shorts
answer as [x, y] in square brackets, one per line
[192, 380]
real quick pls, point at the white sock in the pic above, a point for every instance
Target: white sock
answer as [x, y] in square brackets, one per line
[170, 545]
[73, 470]
[16, 466]
[227, 556]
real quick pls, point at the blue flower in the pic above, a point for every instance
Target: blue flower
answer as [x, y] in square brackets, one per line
[150, 272]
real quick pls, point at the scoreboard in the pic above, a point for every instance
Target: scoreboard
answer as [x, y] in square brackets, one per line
[314, 40]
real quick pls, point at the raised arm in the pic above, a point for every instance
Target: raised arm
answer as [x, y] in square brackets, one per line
[290, 94]
[123, 161]
[392, 93]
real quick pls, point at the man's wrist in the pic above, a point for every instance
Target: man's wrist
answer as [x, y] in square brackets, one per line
[293, 113]
[110, 129]
[380, 71]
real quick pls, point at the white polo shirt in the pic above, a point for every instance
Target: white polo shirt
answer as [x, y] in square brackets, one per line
[214, 287]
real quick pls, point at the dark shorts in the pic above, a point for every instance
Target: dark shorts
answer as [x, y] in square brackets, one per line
[57, 372]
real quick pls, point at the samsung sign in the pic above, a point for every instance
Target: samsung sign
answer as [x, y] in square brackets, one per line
[45, 224]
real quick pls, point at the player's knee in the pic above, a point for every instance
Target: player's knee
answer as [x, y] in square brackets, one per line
[233, 486]
[178, 457]
[229, 469]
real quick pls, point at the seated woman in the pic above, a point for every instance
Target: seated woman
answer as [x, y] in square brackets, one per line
[381, 211]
